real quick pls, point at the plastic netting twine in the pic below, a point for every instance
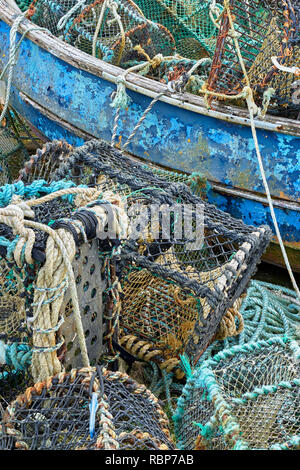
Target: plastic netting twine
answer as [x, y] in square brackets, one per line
[174, 293]
[245, 397]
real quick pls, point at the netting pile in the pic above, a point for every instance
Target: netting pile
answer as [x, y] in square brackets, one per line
[51, 273]
[108, 30]
[246, 397]
[60, 414]
[223, 41]
[262, 29]
[174, 292]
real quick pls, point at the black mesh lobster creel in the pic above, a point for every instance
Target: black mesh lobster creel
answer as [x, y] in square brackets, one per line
[12, 383]
[116, 31]
[60, 414]
[263, 29]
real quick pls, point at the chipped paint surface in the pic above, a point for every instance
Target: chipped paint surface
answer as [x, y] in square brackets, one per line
[172, 136]
[255, 213]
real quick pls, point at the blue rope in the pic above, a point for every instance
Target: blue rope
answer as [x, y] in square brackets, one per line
[17, 356]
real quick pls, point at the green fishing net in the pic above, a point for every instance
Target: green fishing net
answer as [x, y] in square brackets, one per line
[191, 23]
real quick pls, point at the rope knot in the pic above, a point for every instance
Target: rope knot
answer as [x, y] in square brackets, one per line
[120, 97]
[156, 61]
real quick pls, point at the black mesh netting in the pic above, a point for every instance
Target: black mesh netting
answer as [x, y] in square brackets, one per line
[56, 415]
[116, 32]
[175, 292]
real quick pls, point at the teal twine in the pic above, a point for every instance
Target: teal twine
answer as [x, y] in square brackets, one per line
[162, 383]
[186, 366]
[121, 99]
[34, 189]
[9, 245]
[18, 355]
[203, 377]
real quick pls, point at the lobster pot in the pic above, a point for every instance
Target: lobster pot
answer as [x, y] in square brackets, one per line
[57, 415]
[15, 360]
[14, 138]
[51, 295]
[263, 29]
[111, 31]
[246, 397]
[190, 23]
[177, 286]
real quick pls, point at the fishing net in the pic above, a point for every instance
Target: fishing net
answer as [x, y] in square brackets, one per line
[174, 292]
[246, 397]
[14, 140]
[191, 23]
[114, 31]
[267, 310]
[262, 29]
[82, 410]
[51, 273]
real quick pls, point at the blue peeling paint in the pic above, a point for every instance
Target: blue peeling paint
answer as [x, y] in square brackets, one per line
[181, 139]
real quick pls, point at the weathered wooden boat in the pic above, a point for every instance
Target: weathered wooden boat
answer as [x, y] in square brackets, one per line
[65, 93]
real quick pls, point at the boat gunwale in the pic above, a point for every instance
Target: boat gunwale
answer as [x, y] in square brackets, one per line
[140, 84]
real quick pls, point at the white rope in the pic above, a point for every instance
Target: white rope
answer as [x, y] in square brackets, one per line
[283, 68]
[62, 22]
[215, 11]
[100, 20]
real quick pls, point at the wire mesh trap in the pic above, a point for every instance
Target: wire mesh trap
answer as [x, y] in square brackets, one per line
[251, 33]
[51, 273]
[246, 397]
[174, 295]
[61, 414]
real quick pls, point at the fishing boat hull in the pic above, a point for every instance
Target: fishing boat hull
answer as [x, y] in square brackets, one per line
[65, 93]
